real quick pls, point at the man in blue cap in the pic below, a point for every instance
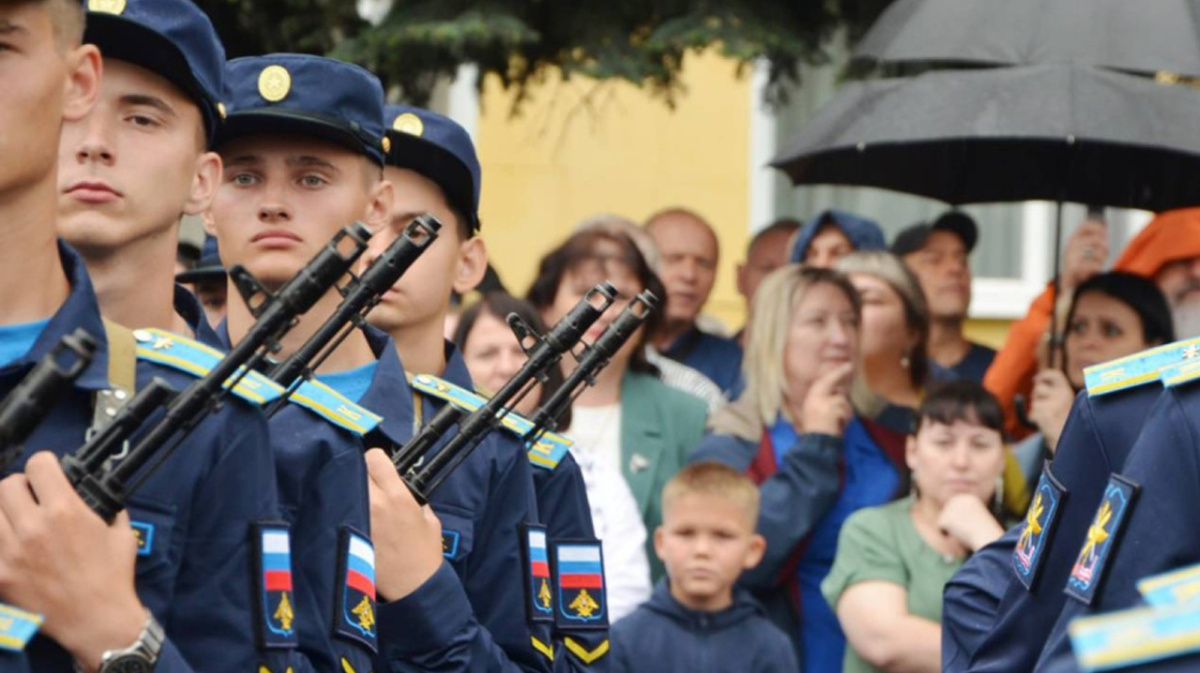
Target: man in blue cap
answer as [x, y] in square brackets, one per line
[168, 585]
[208, 280]
[433, 167]
[131, 168]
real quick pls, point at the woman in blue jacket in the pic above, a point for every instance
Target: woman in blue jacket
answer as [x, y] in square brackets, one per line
[795, 432]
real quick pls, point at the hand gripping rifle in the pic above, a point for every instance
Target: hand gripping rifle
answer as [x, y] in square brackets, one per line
[360, 296]
[27, 405]
[595, 358]
[544, 352]
[106, 484]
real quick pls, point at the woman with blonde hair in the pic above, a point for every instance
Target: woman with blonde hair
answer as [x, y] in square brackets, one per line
[795, 432]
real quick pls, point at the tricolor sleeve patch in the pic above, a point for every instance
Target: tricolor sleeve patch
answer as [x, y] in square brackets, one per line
[579, 578]
[354, 618]
[276, 603]
[539, 596]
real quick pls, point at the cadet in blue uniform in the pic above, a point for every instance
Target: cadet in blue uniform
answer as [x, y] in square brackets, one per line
[1146, 519]
[148, 139]
[433, 165]
[1037, 556]
[97, 585]
[302, 153]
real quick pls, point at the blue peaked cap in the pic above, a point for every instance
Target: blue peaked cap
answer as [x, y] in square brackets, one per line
[305, 95]
[440, 149]
[864, 234]
[171, 38]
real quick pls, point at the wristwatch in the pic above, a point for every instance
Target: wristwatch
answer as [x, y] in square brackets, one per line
[141, 656]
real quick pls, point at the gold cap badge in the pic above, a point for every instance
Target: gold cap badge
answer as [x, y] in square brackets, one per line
[274, 83]
[106, 6]
[409, 123]
[387, 144]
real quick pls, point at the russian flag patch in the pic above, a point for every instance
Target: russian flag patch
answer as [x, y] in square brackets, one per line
[276, 601]
[539, 597]
[355, 618]
[579, 576]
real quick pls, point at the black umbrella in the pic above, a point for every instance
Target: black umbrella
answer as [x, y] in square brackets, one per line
[1052, 132]
[1049, 132]
[1140, 36]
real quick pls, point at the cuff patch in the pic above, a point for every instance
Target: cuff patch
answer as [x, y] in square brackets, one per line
[275, 599]
[354, 617]
[579, 579]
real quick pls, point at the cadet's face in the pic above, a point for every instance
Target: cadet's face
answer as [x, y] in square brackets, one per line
[1101, 329]
[706, 542]
[827, 247]
[961, 457]
[493, 356]
[129, 170]
[822, 335]
[941, 267]
[282, 199]
[689, 264]
[423, 294]
[36, 78]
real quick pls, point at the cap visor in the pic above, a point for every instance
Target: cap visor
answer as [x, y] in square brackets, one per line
[278, 121]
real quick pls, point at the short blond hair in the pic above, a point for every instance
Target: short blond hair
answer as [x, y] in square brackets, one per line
[717, 481]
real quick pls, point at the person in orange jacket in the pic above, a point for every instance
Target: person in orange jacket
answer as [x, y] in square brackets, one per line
[1167, 251]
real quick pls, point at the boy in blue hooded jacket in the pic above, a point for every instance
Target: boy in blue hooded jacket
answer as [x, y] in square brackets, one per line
[696, 621]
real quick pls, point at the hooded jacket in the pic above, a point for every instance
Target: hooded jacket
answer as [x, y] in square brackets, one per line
[662, 636]
[864, 234]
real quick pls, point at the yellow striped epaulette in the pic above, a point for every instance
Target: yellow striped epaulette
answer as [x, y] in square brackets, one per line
[332, 406]
[1137, 636]
[1140, 368]
[196, 359]
[1176, 587]
[547, 453]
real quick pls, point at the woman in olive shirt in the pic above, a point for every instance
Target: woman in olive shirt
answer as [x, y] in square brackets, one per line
[892, 561]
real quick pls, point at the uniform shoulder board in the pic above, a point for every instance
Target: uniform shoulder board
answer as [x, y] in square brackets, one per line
[1140, 368]
[332, 406]
[1131, 637]
[546, 453]
[196, 359]
[17, 627]
[1177, 587]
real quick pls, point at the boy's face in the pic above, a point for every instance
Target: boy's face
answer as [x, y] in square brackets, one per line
[706, 542]
[134, 164]
[450, 264]
[44, 83]
[282, 199]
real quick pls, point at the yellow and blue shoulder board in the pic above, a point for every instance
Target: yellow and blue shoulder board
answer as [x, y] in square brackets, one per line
[548, 452]
[1131, 637]
[332, 406]
[1140, 368]
[1169, 589]
[196, 359]
[17, 627]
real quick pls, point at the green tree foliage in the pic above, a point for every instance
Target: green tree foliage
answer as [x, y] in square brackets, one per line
[641, 41]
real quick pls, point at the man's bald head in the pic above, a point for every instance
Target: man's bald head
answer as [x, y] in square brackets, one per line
[690, 252]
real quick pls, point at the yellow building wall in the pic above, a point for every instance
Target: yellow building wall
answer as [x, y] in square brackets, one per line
[579, 149]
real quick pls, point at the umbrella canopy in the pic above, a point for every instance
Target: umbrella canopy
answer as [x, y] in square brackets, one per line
[1049, 132]
[1142, 36]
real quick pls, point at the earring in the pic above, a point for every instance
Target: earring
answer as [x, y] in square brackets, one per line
[905, 362]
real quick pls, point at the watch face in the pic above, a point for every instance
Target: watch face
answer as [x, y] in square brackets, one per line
[129, 663]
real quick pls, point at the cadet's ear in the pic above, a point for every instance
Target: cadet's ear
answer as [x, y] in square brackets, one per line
[379, 205]
[204, 184]
[82, 88]
[472, 265]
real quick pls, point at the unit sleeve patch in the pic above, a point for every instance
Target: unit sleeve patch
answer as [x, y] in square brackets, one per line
[1102, 537]
[275, 603]
[354, 617]
[539, 597]
[579, 578]
[1048, 500]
